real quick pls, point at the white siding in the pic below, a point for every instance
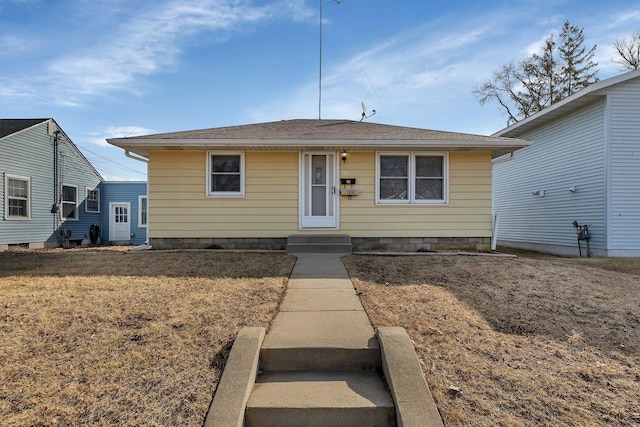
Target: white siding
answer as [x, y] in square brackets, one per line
[565, 153]
[624, 164]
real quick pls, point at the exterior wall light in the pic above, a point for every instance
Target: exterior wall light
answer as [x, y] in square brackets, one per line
[344, 157]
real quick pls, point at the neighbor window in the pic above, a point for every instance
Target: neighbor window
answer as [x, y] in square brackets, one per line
[411, 178]
[142, 211]
[92, 202]
[225, 174]
[69, 202]
[17, 197]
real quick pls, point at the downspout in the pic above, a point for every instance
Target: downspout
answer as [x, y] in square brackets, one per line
[146, 244]
[496, 217]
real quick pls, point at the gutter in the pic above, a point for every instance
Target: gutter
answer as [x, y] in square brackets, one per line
[502, 158]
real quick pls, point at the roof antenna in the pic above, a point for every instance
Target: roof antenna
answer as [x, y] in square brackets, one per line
[364, 112]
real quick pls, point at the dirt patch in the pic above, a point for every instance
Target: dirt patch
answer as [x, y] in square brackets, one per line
[515, 341]
[111, 338]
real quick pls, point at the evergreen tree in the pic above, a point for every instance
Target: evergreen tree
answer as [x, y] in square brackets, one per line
[577, 69]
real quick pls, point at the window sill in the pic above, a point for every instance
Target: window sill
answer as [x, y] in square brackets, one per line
[225, 196]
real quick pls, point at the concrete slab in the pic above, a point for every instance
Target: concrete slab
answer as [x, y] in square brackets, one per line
[319, 283]
[229, 403]
[326, 398]
[415, 406]
[336, 329]
[319, 266]
[321, 300]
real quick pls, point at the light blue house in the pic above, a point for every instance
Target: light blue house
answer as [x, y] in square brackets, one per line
[52, 196]
[50, 191]
[583, 165]
[124, 218]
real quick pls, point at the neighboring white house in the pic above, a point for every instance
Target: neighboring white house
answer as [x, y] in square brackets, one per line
[583, 165]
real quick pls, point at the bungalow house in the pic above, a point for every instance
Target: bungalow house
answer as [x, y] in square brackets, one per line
[254, 186]
[51, 194]
[583, 165]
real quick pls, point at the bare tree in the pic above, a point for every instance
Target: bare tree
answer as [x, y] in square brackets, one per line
[628, 52]
[503, 89]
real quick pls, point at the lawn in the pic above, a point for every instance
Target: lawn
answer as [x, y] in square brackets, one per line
[113, 338]
[526, 341]
[104, 337]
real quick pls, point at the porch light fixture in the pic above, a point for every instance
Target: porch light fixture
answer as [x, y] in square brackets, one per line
[344, 157]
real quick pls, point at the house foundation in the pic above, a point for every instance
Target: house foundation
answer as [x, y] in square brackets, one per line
[359, 244]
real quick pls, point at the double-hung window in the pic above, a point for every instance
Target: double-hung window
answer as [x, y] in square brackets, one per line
[69, 202]
[142, 211]
[225, 174]
[411, 178]
[92, 202]
[18, 197]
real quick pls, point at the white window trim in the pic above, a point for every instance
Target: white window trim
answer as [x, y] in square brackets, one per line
[86, 195]
[62, 203]
[8, 217]
[225, 194]
[140, 224]
[411, 200]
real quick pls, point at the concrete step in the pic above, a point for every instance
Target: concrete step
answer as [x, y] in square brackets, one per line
[320, 398]
[320, 340]
[319, 243]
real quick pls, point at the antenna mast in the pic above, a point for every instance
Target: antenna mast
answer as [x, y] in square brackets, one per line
[320, 71]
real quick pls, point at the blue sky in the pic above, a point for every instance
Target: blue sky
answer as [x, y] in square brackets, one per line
[110, 68]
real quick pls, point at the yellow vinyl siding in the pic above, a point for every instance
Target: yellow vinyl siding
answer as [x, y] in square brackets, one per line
[468, 213]
[181, 209]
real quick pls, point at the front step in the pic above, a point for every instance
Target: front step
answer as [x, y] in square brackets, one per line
[320, 340]
[320, 398]
[319, 243]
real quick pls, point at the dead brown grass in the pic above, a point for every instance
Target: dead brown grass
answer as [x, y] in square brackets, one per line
[108, 338]
[516, 341]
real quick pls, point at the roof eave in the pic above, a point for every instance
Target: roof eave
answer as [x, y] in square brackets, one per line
[146, 146]
[577, 100]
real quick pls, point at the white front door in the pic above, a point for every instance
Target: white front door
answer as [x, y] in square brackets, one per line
[318, 192]
[119, 221]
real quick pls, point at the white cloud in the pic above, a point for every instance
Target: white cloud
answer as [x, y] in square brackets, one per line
[147, 43]
[10, 44]
[100, 138]
[630, 16]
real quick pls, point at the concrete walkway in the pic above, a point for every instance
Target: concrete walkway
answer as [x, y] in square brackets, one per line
[321, 317]
[321, 362]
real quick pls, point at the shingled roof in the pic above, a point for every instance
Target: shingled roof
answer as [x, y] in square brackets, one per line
[304, 134]
[11, 126]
